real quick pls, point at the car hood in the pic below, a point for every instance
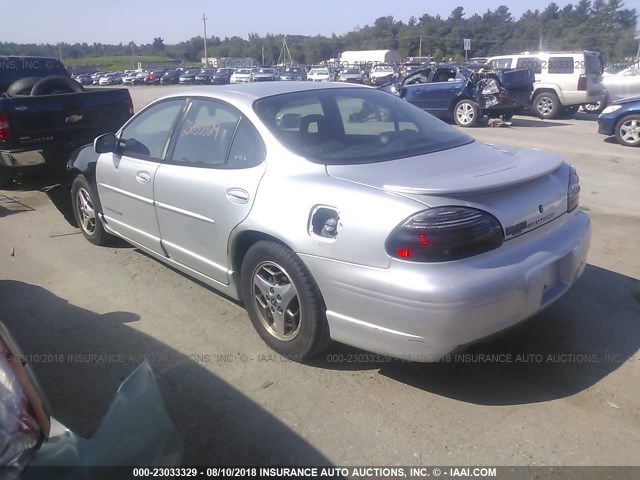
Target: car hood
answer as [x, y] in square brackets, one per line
[466, 170]
[625, 100]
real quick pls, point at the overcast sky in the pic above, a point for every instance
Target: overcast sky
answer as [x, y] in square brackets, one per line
[115, 21]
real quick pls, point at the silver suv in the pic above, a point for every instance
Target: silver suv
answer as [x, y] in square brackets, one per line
[564, 80]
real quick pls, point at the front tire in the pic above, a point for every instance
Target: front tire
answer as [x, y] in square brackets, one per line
[467, 113]
[628, 131]
[86, 207]
[283, 301]
[547, 104]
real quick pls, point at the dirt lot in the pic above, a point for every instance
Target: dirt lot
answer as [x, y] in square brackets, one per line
[570, 398]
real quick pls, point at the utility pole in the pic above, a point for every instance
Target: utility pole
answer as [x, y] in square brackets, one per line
[133, 57]
[420, 49]
[263, 55]
[204, 22]
[60, 52]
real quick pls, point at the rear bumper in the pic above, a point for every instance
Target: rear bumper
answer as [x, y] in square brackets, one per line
[421, 312]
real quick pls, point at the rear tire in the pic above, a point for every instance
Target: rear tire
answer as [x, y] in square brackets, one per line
[628, 131]
[467, 113]
[86, 207]
[547, 104]
[56, 84]
[23, 86]
[283, 301]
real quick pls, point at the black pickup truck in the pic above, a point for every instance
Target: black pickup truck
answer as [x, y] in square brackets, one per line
[45, 114]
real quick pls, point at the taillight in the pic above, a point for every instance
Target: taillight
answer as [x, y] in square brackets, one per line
[130, 107]
[5, 131]
[582, 82]
[573, 190]
[442, 234]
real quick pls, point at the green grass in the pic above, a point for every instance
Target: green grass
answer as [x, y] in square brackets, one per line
[115, 63]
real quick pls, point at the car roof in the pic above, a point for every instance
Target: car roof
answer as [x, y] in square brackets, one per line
[248, 93]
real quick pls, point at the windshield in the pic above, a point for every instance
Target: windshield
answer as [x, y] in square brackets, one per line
[319, 71]
[383, 69]
[354, 125]
[352, 71]
[292, 70]
[269, 71]
[243, 71]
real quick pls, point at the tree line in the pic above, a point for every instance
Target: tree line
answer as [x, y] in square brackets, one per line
[604, 26]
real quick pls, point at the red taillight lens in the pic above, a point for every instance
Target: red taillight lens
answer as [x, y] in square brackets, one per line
[130, 107]
[5, 131]
[582, 82]
[443, 234]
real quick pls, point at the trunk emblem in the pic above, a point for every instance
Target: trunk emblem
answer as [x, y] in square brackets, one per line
[540, 208]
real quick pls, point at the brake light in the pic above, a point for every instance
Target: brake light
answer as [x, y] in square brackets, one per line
[130, 107]
[443, 234]
[573, 190]
[582, 82]
[5, 131]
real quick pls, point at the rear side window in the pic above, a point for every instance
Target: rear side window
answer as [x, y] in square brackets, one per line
[560, 65]
[532, 63]
[205, 135]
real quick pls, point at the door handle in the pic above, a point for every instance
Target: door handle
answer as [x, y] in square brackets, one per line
[143, 177]
[238, 195]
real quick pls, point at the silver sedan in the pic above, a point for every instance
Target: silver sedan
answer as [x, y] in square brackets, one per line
[338, 212]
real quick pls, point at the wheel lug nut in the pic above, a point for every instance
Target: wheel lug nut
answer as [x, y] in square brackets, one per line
[271, 290]
[279, 309]
[278, 297]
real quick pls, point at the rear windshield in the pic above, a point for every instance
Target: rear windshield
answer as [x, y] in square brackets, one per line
[15, 68]
[354, 125]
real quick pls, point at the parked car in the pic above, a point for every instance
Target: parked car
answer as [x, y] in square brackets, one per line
[319, 74]
[351, 75]
[564, 80]
[399, 235]
[222, 76]
[140, 76]
[456, 93]
[622, 120]
[136, 429]
[110, 79]
[188, 77]
[624, 84]
[205, 76]
[293, 73]
[381, 74]
[130, 78]
[264, 75]
[153, 77]
[170, 77]
[84, 79]
[241, 75]
[95, 78]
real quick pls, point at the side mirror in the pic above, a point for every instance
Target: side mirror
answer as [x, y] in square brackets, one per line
[106, 143]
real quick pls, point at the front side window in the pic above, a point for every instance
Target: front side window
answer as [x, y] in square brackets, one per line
[352, 126]
[205, 135]
[147, 133]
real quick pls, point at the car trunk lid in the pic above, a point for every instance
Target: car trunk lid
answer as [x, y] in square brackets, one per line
[524, 189]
